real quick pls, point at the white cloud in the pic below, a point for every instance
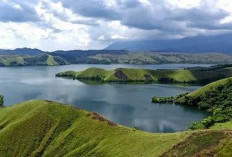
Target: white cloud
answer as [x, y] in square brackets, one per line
[186, 4]
[75, 24]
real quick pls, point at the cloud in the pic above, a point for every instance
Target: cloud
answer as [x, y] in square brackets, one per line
[93, 8]
[17, 11]
[93, 24]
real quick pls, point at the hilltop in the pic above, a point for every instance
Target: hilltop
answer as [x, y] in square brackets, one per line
[45, 128]
[194, 75]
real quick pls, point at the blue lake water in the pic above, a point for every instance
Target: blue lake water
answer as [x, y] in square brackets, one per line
[126, 104]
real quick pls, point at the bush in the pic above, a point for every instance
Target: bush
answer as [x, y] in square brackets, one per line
[1, 100]
[163, 99]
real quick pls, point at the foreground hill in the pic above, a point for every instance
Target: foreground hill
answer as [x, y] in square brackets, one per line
[44, 128]
[194, 75]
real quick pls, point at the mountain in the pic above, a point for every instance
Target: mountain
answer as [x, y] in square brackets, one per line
[21, 60]
[199, 44]
[22, 51]
[45, 128]
[17, 57]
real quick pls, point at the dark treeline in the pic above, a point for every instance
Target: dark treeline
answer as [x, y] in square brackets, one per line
[216, 101]
[1, 100]
[170, 99]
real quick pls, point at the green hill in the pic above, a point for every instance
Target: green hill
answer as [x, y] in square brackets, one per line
[45, 128]
[44, 60]
[215, 98]
[194, 75]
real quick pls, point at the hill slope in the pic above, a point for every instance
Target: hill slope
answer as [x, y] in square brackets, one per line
[197, 75]
[44, 128]
[161, 58]
[45, 60]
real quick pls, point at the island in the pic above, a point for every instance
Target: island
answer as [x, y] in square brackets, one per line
[191, 75]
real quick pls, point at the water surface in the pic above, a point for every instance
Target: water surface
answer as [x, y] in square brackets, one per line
[126, 104]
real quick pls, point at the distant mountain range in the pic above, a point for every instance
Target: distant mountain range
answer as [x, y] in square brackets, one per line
[187, 50]
[198, 44]
[22, 51]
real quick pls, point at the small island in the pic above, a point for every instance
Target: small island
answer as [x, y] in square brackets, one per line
[191, 75]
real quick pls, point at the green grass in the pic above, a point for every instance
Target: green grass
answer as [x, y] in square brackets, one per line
[51, 129]
[208, 87]
[44, 128]
[197, 75]
[202, 143]
[226, 125]
[50, 61]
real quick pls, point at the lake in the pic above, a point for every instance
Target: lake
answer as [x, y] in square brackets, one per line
[126, 104]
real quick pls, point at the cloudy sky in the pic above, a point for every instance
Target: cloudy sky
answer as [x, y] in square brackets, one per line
[94, 24]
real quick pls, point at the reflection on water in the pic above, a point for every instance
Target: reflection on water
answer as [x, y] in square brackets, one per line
[126, 104]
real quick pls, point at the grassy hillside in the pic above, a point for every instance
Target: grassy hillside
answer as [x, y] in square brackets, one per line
[161, 58]
[50, 129]
[44, 59]
[197, 75]
[44, 128]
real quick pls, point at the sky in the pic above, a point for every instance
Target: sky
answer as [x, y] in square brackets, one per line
[94, 24]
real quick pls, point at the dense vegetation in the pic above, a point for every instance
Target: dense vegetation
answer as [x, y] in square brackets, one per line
[62, 130]
[194, 75]
[161, 100]
[17, 57]
[170, 99]
[215, 98]
[1, 100]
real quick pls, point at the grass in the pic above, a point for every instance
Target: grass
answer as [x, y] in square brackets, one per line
[208, 87]
[51, 129]
[202, 143]
[44, 128]
[197, 75]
